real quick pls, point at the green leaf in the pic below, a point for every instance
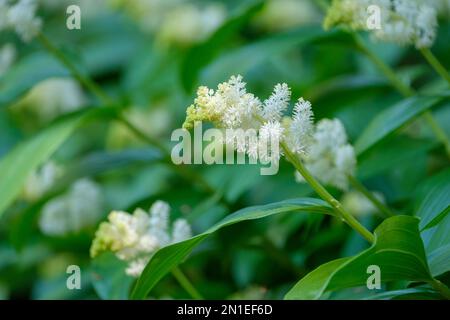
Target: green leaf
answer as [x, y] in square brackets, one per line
[388, 121]
[391, 153]
[433, 198]
[169, 257]
[398, 251]
[241, 60]
[27, 156]
[406, 294]
[202, 54]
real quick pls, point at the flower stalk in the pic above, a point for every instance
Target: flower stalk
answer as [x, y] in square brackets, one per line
[404, 90]
[435, 63]
[325, 195]
[186, 284]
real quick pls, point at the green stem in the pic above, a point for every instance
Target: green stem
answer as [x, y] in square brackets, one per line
[383, 209]
[434, 62]
[186, 284]
[404, 90]
[385, 69]
[325, 195]
[441, 288]
[84, 80]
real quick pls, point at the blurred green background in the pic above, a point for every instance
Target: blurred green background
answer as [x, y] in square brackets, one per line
[150, 56]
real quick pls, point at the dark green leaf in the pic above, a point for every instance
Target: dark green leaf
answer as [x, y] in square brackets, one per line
[398, 251]
[169, 257]
[388, 121]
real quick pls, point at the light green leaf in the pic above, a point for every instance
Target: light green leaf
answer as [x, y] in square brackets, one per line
[169, 257]
[398, 251]
[433, 200]
[388, 121]
[27, 156]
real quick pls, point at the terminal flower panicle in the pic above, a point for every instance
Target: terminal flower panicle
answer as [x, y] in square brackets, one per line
[323, 147]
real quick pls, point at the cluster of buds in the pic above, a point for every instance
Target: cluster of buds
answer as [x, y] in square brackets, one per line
[400, 21]
[135, 237]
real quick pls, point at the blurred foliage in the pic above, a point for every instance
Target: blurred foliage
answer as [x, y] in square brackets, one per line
[153, 80]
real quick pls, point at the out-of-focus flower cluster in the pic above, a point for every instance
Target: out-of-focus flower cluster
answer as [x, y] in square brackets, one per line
[20, 16]
[135, 237]
[175, 22]
[330, 158]
[52, 98]
[401, 21]
[284, 14]
[323, 148]
[41, 181]
[7, 57]
[358, 205]
[79, 208]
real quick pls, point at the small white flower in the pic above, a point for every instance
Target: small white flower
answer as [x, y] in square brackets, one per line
[230, 106]
[301, 127]
[276, 105]
[270, 136]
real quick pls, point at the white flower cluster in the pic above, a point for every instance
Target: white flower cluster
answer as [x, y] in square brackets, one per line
[401, 21]
[52, 98]
[7, 57]
[232, 107]
[331, 159]
[323, 147]
[80, 207]
[175, 22]
[21, 17]
[135, 237]
[40, 181]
